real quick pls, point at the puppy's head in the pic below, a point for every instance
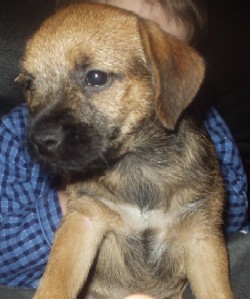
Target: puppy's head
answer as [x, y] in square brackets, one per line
[92, 74]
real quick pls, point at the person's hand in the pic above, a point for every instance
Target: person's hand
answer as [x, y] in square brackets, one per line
[63, 197]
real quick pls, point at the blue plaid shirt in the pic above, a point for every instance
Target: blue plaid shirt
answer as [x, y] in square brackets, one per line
[29, 209]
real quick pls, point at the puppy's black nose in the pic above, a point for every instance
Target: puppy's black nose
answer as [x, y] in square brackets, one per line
[46, 141]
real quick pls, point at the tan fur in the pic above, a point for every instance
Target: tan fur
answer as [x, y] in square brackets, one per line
[150, 219]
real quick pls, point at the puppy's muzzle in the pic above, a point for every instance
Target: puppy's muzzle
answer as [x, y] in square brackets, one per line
[47, 141]
[65, 145]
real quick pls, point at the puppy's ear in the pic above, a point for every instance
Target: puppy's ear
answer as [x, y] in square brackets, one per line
[177, 72]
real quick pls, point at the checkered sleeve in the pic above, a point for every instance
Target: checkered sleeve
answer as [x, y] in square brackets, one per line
[232, 170]
[29, 209]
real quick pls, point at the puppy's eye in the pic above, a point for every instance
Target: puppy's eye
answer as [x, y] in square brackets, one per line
[96, 78]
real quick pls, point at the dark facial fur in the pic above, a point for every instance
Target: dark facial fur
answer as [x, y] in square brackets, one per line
[65, 144]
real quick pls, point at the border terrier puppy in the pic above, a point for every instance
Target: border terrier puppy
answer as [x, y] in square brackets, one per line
[107, 92]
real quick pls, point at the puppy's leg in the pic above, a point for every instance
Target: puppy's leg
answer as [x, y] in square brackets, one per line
[207, 267]
[73, 251]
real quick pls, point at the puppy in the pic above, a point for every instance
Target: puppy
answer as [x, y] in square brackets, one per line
[107, 93]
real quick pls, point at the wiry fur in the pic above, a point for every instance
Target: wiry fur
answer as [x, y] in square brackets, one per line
[146, 214]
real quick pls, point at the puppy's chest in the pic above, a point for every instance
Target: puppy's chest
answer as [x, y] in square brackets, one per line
[140, 253]
[148, 232]
[143, 254]
[137, 220]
